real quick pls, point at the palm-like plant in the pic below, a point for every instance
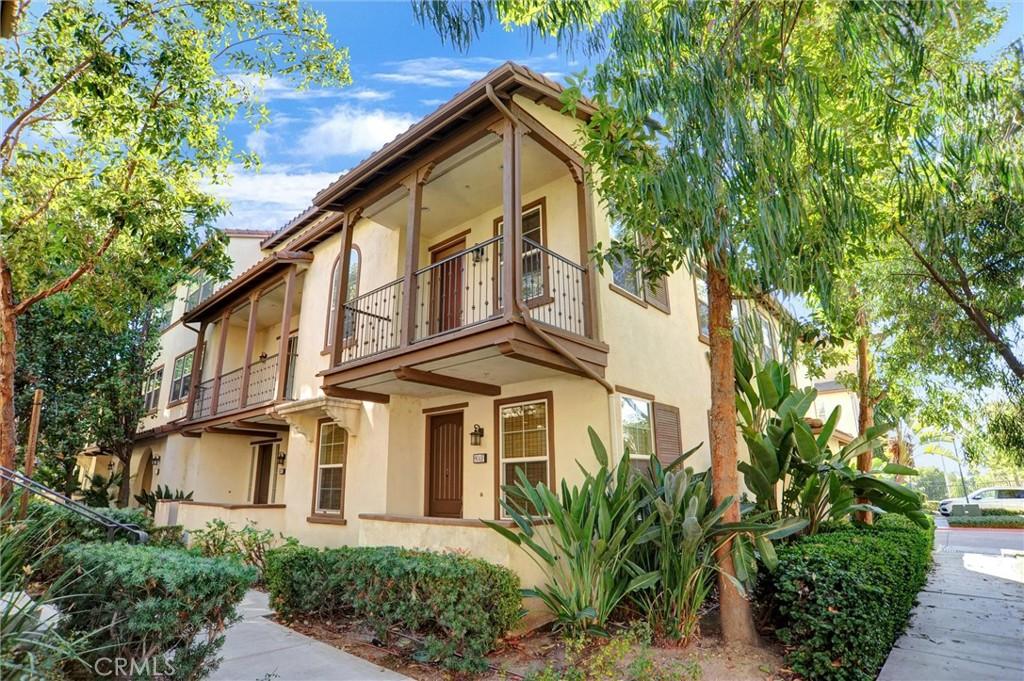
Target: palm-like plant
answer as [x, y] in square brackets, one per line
[795, 473]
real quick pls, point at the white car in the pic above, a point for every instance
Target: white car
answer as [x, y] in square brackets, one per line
[1003, 498]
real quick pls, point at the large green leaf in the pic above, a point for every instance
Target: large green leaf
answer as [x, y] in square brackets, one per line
[600, 453]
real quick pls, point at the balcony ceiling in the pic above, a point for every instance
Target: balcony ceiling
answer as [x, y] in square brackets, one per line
[467, 185]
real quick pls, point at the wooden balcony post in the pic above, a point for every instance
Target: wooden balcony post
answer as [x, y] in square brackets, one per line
[337, 335]
[586, 236]
[513, 217]
[197, 368]
[219, 370]
[412, 254]
[286, 327]
[250, 341]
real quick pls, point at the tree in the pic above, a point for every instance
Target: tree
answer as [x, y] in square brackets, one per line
[61, 350]
[720, 140]
[115, 115]
[995, 441]
[931, 482]
[117, 406]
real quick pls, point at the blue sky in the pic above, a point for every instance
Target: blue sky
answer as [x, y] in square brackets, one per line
[400, 73]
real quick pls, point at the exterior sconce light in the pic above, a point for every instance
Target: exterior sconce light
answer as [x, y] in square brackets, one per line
[263, 357]
[478, 255]
[282, 458]
[155, 460]
[110, 466]
[476, 436]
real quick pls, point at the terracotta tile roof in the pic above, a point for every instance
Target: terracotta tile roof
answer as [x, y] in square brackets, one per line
[508, 76]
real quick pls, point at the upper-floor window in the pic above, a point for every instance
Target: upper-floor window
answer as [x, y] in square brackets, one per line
[162, 315]
[151, 388]
[627, 277]
[767, 339]
[351, 293]
[181, 376]
[199, 290]
[703, 307]
[535, 268]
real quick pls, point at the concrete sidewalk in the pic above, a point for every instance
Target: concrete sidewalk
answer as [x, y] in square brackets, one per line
[969, 621]
[257, 649]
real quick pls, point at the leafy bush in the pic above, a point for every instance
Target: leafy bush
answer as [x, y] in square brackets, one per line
[794, 473]
[53, 525]
[249, 544]
[619, 535]
[167, 536]
[148, 499]
[153, 602]
[1006, 521]
[1000, 512]
[101, 491]
[459, 606]
[841, 598]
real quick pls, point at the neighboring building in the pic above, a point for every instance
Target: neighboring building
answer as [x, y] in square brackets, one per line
[430, 326]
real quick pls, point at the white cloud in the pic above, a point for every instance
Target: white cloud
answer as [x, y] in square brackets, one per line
[368, 95]
[270, 198]
[455, 72]
[256, 141]
[349, 129]
[432, 102]
[270, 88]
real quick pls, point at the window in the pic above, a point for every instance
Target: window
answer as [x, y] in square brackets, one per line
[624, 274]
[351, 292]
[199, 290]
[162, 315]
[767, 339]
[637, 428]
[151, 388]
[524, 439]
[332, 453]
[703, 308]
[181, 377]
[627, 277]
[534, 269]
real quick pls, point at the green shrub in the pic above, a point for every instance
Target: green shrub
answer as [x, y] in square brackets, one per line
[53, 525]
[249, 544]
[167, 536]
[1005, 521]
[153, 602]
[1000, 512]
[929, 505]
[458, 606]
[841, 598]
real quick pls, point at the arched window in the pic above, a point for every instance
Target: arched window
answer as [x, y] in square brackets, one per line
[352, 291]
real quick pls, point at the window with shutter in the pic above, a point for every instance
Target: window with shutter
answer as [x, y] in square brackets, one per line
[668, 434]
[657, 294]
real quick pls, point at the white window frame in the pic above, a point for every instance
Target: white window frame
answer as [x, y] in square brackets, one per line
[185, 378]
[700, 286]
[151, 386]
[767, 333]
[622, 425]
[522, 459]
[317, 509]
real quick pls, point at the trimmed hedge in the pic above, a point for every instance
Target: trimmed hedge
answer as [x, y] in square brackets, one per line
[147, 602]
[458, 606]
[1004, 521]
[1000, 512]
[841, 598]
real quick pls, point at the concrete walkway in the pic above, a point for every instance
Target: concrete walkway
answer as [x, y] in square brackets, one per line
[257, 649]
[969, 621]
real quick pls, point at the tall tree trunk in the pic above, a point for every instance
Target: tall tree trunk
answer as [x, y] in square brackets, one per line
[865, 416]
[124, 491]
[737, 620]
[8, 338]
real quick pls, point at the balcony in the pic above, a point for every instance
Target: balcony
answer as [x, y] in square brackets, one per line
[238, 374]
[462, 291]
[449, 323]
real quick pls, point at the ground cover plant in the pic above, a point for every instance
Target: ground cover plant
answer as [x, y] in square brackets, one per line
[996, 521]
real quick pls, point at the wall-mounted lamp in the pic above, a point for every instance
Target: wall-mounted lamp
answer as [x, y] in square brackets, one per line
[155, 460]
[476, 436]
[110, 466]
[282, 459]
[478, 255]
[263, 357]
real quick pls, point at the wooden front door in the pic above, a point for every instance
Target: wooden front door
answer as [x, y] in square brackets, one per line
[444, 465]
[264, 468]
[446, 288]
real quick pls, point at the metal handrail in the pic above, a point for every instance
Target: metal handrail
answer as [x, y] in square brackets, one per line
[112, 526]
[475, 247]
[544, 249]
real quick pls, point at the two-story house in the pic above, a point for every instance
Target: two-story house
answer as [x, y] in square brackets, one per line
[428, 328]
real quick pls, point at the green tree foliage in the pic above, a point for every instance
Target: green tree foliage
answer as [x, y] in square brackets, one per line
[115, 118]
[931, 482]
[995, 441]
